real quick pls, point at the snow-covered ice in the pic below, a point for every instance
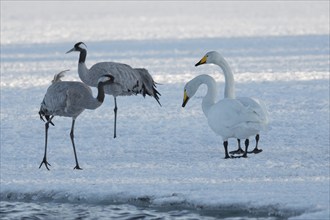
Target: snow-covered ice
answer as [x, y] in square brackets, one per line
[168, 156]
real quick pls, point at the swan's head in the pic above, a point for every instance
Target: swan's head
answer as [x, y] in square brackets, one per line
[209, 57]
[189, 91]
[78, 47]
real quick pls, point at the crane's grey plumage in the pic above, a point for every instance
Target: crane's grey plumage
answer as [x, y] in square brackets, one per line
[69, 99]
[127, 80]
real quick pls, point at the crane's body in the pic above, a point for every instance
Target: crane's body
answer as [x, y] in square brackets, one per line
[127, 80]
[69, 99]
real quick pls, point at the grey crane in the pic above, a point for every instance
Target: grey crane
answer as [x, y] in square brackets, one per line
[69, 99]
[127, 80]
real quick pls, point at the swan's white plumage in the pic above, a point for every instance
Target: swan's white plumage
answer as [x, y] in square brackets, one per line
[250, 105]
[258, 107]
[228, 118]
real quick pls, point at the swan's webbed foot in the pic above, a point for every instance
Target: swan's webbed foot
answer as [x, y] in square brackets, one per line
[255, 151]
[227, 156]
[44, 161]
[238, 151]
[236, 157]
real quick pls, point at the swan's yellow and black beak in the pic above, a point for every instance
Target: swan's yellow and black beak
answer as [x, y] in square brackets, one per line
[202, 61]
[185, 99]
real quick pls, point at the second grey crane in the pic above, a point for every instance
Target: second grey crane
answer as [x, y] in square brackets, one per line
[127, 80]
[69, 99]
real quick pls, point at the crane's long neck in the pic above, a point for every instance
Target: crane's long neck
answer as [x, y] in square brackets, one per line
[209, 98]
[229, 78]
[100, 92]
[94, 103]
[82, 68]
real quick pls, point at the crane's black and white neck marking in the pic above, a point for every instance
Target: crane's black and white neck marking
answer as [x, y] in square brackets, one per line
[104, 80]
[82, 49]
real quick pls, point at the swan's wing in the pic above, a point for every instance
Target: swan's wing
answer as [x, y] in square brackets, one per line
[255, 105]
[230, 118]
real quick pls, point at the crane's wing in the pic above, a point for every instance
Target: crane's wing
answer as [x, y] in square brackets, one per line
[54, 100]
[78, 97]
[127, 80]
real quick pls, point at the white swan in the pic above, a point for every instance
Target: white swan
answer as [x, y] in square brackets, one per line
[228, 117]
[251, 103]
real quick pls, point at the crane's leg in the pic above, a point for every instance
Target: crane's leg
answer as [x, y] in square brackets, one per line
[239, 150]
[247, 142]
[115, 125]
[225, 145]
[44, 160]
[74, 148]
[256, 150]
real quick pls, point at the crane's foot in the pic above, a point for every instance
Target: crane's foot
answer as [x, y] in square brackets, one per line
[77, 167]
[44, 161]
[255, 151]
[238, 151]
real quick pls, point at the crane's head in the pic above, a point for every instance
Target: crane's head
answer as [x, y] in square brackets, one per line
[78, 47]
[106, 79]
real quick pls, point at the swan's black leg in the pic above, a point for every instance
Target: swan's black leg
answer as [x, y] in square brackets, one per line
[256, 150]
[239, 150]
[247, 142]
[225, 145]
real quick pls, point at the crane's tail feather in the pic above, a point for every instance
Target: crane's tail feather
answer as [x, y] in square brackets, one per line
[149, 85]
[58, 76]
[156, 94]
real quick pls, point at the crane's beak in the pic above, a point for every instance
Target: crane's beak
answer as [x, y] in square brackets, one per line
[185, 99]
[202, 61]
[73, 49]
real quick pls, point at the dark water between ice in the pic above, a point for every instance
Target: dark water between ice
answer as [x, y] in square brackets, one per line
[49, 210]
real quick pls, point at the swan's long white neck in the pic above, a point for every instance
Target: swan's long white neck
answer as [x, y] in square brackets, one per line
[210, 97]
[229, 77]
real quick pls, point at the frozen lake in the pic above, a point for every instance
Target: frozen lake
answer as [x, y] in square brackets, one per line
[166, 162]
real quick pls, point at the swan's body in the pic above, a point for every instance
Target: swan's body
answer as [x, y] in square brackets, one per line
[69, 99]
[228, 117]
[127, 80]
[250, 103]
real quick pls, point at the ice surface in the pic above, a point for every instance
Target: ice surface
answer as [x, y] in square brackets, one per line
[168, 156]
